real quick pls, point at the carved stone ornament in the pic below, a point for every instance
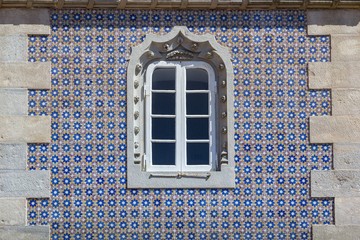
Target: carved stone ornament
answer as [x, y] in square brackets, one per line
[151, 54]
[179, 45]
[136, 114]
[179, 55]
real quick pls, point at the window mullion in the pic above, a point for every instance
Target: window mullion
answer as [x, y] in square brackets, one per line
[179, 118]
[182, 141]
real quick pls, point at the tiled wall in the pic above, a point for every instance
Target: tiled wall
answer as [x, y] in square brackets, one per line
[89, 51]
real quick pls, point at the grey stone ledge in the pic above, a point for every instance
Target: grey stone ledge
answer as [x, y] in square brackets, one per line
[25, 75]
[27, 184]
[24, 233]
[332, 232]
[325, 22]
[334, 75]
[335, 183]
[335, 129]
[347, 211]
[25, 129]
[12, 211]
[13, 102]
[13, 156]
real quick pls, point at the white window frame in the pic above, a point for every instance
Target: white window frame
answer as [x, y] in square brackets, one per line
[181, 117]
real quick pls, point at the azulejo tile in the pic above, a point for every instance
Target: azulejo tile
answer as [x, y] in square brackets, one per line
[89, 49]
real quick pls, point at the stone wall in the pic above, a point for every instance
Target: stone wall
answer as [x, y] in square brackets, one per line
[17, 129]
[342, 128]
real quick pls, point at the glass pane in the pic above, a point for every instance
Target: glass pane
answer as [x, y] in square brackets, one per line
[163, 153]
[163, 103]
[163, 79]
[196, 79]
[197, 128]
[197, 153]
[163, 128]
[197, 103]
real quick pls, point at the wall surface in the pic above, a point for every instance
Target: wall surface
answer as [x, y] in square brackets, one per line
[89, 51]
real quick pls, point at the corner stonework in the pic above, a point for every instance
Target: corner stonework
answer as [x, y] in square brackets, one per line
[341, 75]
[16, 127]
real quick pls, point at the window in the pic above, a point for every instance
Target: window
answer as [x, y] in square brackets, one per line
[180, 113]
[180, 117]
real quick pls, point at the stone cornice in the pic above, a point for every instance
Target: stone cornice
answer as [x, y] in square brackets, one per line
[184, 4]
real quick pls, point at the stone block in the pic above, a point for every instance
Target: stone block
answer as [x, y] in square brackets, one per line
[335, 183]
[25, 75]
[347, 211]
[345, 102]
[25, 129]
[27, 184]
[325, 22]
[332, 232]
[13, 48]
[345, 48]
[13, 156]
[8, 29]
[12, 211]
[346, 156]
[335, 129]
[13, 102]
[24, 233]
[334, 75]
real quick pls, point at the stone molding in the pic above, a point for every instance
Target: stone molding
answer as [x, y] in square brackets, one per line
[183, 4]
[203, 48]
[342, 128]
[17, 129]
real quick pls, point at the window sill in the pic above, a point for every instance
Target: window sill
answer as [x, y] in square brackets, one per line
[213, 179]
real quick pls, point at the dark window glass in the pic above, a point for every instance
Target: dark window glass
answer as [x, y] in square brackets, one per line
[163, 128]
[197, 128]
[163, 103]
[197, 104]
[163, 79]
[196, 79]
[197, 153]
[163, 153]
